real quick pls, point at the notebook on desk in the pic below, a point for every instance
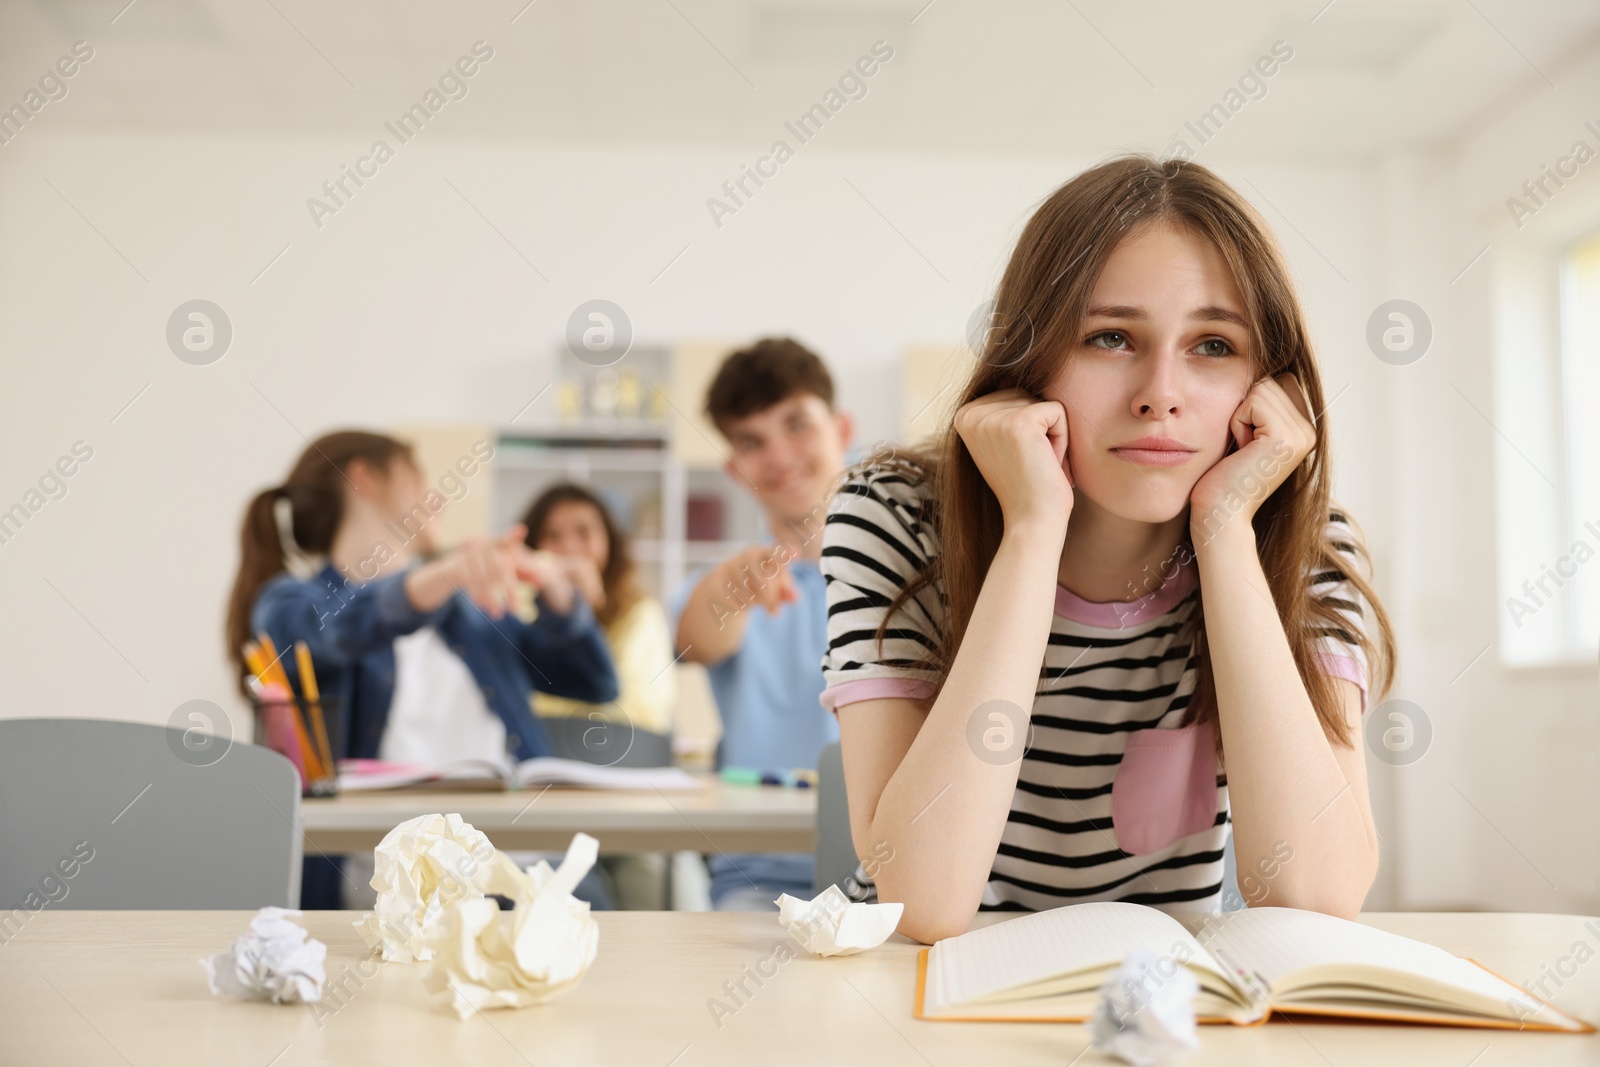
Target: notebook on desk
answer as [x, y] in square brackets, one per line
[367, 775]
[1048, 967]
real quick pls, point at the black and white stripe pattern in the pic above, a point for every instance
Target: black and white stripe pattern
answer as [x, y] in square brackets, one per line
[1097, 685]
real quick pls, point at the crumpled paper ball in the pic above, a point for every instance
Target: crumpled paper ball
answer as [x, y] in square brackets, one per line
[487, 958]
[420, 868]
[1142, 1017]
[834, 925]
[274, 960]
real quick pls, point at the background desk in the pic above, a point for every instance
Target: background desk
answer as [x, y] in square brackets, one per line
[119, 988]
[733, 818]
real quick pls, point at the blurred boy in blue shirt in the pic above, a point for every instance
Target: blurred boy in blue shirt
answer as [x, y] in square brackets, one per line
[758, 620]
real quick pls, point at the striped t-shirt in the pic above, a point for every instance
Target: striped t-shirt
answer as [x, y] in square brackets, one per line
[1114, 800]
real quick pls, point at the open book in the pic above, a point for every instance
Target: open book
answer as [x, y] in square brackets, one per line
[1048, 966]
[368, 775]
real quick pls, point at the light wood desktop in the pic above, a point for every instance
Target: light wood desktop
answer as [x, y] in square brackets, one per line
[732, 818]
[90, 988]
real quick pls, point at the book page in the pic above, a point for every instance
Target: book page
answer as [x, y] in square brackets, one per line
[554, 770]
[366, 775]
[1048, 944]
[1276, 942]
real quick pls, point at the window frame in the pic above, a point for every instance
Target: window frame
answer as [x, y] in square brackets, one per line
[1533, 358]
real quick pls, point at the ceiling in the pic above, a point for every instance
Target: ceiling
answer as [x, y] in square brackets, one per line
[1030, 77]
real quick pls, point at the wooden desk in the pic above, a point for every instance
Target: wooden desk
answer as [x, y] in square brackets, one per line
[733, 818]
[119, 988]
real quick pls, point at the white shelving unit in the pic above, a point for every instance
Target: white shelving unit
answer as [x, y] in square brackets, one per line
[629, 465]
[632, 433]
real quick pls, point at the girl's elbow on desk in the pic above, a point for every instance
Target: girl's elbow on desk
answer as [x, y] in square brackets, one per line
[929, 915]
[927, 926]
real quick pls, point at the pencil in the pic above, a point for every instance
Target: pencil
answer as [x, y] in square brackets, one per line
[313, 762]
[308, 686]
[274, 665]
[252, 659]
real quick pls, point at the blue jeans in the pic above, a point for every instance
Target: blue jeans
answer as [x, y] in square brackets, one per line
[752, 881]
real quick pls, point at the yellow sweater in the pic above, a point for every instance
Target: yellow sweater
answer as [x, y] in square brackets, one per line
[641, 648]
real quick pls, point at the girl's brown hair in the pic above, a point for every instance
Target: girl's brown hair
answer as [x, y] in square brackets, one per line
[1037, 315]
[617, 576]
[315, 492]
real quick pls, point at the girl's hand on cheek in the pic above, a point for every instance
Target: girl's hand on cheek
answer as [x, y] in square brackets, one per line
[1019, 444]
[1274, 432]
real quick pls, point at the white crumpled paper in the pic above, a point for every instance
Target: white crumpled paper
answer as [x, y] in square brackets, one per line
[1142, 1017]
[420, 868]
[487, 958]
[274, 960]
[833, 925]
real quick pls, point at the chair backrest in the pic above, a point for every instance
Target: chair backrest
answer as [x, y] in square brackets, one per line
[836, 851]
[103, 814]
[1232, 899]
[580, 738]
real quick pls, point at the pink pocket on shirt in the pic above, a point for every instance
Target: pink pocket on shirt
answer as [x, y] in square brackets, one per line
[1165, 789]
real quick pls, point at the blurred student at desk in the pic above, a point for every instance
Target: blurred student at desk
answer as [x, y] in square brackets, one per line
[423, 659]
[574, 524]
[758, 620]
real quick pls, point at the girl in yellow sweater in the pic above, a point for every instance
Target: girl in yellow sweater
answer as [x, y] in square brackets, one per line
[573, 523]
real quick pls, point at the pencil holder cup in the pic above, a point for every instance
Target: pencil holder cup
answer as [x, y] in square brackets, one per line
[305, 733]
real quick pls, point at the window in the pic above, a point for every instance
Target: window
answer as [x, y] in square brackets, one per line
[1580, 394]
[1546, 299]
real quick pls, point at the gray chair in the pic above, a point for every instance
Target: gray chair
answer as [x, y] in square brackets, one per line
[836, 850]
[580, 738]
[1232, 899]
[103, 814]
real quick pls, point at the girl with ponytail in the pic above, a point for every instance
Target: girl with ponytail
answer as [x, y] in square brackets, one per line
[424, 651]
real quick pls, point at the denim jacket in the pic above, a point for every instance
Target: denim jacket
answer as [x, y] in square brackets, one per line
[350, 630]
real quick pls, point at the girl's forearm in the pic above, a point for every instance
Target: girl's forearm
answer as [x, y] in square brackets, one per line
[1285, 785]
[429, 586]
[944, 808]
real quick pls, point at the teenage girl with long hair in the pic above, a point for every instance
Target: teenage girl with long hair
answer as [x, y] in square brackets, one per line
[1110, 616]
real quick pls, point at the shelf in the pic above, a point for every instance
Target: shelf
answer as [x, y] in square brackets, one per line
[638, 459]
[590, 433]
[651, 550]
[522, 458]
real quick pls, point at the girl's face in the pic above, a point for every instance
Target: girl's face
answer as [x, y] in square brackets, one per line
[574, 528]
[1154, 376]
[402, 489]
[391, 497]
